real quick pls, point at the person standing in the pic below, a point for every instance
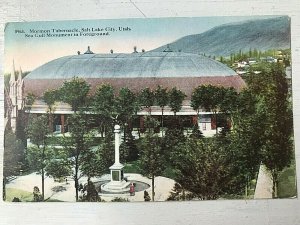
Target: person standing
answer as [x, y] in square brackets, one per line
[131, 189]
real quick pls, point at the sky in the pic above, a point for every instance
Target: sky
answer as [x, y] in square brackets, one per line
[29, 52]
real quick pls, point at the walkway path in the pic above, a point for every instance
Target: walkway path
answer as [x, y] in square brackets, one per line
[264, 184]
[65, 191]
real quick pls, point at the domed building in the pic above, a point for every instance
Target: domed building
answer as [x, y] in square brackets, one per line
[136, 71]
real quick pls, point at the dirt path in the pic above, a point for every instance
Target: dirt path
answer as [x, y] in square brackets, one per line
[264, 184]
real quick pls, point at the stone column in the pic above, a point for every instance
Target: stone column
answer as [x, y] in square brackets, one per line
[117, 144]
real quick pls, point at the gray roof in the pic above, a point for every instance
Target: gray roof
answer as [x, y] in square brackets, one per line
[134, 65]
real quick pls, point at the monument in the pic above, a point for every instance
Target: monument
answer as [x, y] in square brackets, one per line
[117, 183]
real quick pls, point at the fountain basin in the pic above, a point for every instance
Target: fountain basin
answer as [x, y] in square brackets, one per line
[139, 186]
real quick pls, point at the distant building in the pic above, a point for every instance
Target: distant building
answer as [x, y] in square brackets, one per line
[252, 61]
[268, 59]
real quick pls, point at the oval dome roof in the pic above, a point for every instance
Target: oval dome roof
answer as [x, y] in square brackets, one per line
[134, 65]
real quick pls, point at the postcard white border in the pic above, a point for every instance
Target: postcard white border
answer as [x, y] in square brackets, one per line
[254, 212]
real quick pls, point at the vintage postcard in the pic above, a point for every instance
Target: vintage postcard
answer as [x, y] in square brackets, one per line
[165, 109]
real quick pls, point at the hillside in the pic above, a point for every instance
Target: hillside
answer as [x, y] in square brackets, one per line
[223, 40]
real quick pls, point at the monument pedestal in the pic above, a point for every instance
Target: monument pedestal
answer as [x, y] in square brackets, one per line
[117, 183]
[116, 187]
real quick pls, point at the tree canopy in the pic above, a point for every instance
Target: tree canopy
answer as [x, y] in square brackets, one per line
[147, 98]
[204, 168]
[176, 98]
[75, 92]
[274, 104]
[13, 158]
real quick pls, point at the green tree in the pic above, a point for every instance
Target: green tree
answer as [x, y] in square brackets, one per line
[204, 168]
[208, 97]
[221, 59]
[13, 158]
[176, 98]
[246, 143]
[229, 103]
[255, 53]
[174, 137]
[96, 160]
[59, 165]
[104, 105]
[77, 144]
[38, 158]
[50, 97]
[75, 92]
[272, 105]
[24, 117]
[29, 100]
[250, 53]
[179, 194]
[216, 99]
[104, 101]
[231, 58]
[278, 149]
[147, 98]
[127, 106]
[106, 151]
[162, 99]
[196, 133]
[152, 161]
[246, 140]
[199, 99]
[38, 154]
[128, 149]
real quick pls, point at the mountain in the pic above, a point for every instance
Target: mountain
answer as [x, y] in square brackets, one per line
[262, 34]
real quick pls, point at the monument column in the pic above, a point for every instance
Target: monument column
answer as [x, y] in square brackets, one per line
[117, 144]
[116, 169]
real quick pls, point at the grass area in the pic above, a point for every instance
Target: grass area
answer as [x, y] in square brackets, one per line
[131, 167]
[287, 182]
[24, 196]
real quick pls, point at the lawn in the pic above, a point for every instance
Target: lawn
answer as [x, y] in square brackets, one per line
[24, 196]
[287, 182]
[131, 167]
